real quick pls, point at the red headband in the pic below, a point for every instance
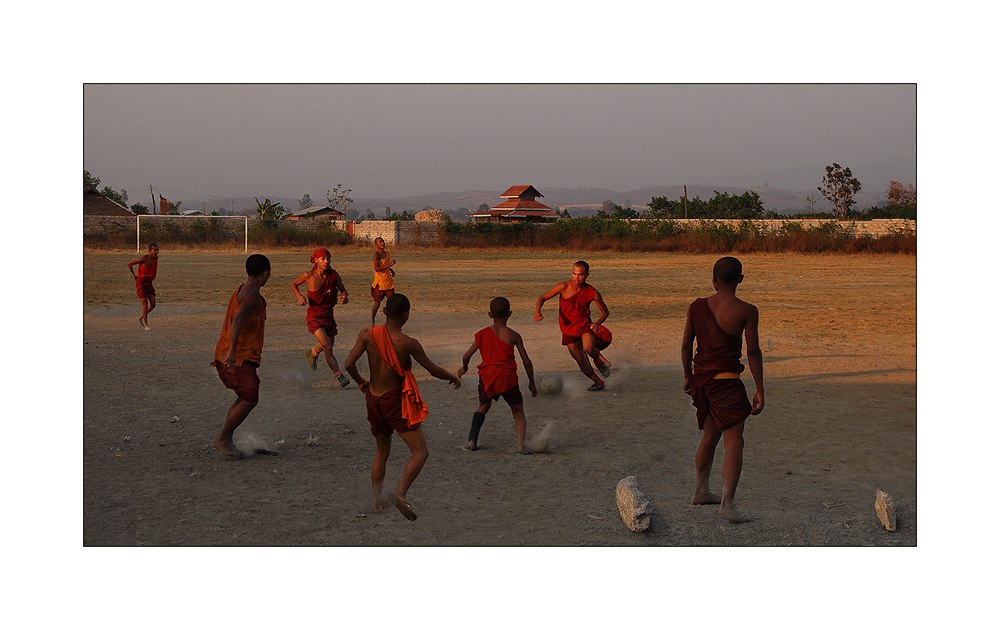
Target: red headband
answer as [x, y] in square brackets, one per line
[322, 252]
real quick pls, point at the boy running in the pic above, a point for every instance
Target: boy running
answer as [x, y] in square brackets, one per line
[575, 296]
[382, 284]
[498, 372]
[323, 284]
[392, 398]
[237, 353]
[144, 281]
[719, 323]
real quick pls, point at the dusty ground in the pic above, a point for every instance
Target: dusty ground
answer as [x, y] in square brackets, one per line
[839, 337]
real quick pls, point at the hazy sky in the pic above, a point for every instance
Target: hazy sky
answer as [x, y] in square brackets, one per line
[385, 141]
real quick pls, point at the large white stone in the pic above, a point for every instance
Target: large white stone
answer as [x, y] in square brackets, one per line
[885, 507]
[633, 505]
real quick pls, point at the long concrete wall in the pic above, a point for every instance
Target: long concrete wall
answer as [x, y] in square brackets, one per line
[432, 232]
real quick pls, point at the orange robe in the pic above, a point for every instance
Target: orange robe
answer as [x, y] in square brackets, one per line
[251, 339]
[574, 313]
[498, 371]
[414, 408]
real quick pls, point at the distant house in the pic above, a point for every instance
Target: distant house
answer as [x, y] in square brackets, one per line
[192, 213]
[96, 204]
[520, 206]
[317, 212]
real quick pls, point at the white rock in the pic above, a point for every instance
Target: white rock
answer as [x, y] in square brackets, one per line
[885, 508]
[633, 505]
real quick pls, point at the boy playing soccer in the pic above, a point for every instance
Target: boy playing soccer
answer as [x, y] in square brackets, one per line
[498, 371]
[575, 296]
[392, 398]
[237, 353]
[323, 284]
[144, 281]
[719, 323]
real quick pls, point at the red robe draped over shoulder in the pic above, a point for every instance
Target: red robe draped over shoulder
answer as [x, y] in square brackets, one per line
[414, 408]
[574, 312]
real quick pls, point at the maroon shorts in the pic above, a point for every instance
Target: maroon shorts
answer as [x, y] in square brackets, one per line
[242, 379]
[385, 413]
[378, 295]
[568, 340]
[512, 396]
[724, 400]
[321, 319]
[144, 288]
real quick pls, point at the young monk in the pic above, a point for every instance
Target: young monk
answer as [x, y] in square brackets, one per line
[392, 398]
[237, 353]
[575, 296]
[144, 281]
[498, 372]
[719, 323]
[382, 284]
[323, 283]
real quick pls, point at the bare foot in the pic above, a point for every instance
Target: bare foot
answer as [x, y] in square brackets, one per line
[229, 448]
[706, 499]
[523, 450]
[380, 503]
[472, 446]
[731, 515]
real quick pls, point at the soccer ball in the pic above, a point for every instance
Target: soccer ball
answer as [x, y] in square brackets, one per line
[551, 384]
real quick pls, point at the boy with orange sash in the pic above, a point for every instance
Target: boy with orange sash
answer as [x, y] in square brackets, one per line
[719, 323]
[498, 372]
[392, 398]
[144, 281]
[578, 332]
[238, 351]
[323, 283]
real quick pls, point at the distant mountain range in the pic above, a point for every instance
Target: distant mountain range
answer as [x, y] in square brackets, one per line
[579, 201]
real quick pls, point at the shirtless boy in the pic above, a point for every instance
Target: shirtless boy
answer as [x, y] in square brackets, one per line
[323, 283]
[392, 398]
[498, 372]
[382, 284]
[575, 296]
[144, 281]
[719, 323]
[237, 353]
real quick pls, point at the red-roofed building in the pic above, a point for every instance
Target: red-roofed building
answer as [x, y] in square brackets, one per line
[520, 206]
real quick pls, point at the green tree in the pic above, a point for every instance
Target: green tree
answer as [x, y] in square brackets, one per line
[115, 195]
[726, 206]
[483, 207]
[269, 211]
[138, 208]
[338, 199]
[839, 187]
[90, 181]
[305, 202]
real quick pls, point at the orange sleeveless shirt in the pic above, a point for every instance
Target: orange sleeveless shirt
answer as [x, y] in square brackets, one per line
[251, 340]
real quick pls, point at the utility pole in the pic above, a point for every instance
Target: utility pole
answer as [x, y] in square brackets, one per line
[685, 201]
[152, 209]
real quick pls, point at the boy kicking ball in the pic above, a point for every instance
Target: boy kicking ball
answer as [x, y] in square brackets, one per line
[498, 372]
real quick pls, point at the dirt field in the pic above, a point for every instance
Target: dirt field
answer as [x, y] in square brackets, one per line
[839, 340]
